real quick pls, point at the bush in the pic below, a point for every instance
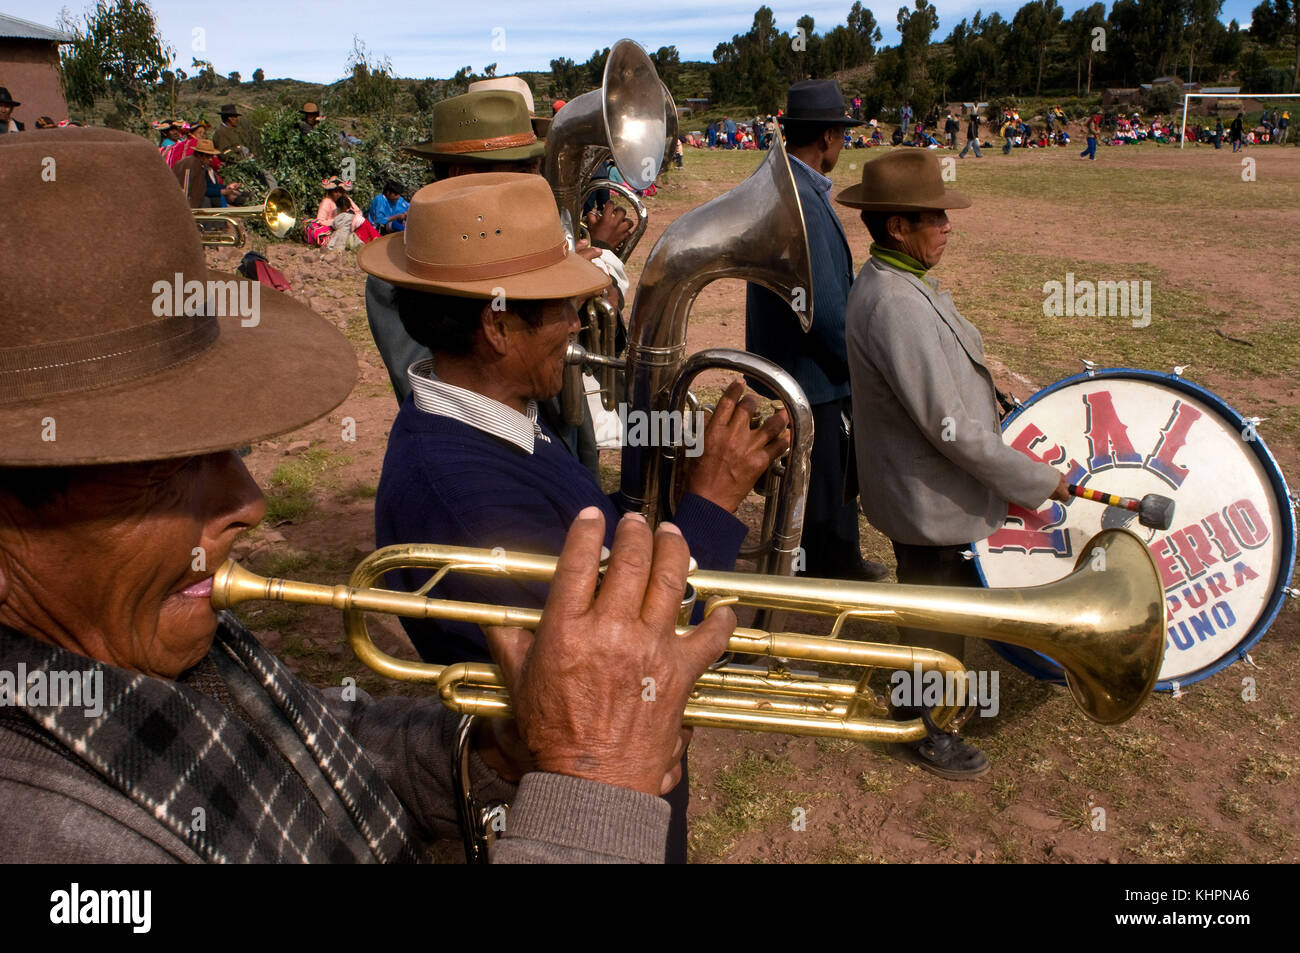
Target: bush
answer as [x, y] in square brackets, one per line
[300, 161]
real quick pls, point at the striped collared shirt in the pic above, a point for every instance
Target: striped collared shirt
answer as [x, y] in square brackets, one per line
[434, 396]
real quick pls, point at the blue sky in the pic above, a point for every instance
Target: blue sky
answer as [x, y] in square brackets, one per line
[423, 38]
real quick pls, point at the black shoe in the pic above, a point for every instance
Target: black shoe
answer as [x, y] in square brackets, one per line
[945, 755]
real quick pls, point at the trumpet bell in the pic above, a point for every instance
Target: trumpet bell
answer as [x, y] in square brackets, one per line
[279, 212]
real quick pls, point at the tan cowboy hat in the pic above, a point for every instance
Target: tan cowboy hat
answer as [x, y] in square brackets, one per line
[205, 146]
[908, 180]
[481, 128]
[93, 367]
[311, 109]
[477, 236]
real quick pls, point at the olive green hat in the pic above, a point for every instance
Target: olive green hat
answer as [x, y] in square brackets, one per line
[481, 128]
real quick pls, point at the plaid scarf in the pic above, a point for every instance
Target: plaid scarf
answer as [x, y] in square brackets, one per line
[172, 750]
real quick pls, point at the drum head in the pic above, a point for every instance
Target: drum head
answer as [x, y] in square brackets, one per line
[1227, 558]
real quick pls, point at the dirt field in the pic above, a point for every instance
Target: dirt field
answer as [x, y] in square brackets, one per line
[1204, 777]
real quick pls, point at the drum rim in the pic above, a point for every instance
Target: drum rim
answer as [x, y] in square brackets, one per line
[1043, 667]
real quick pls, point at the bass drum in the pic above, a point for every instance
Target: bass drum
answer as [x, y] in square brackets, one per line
[1227, 560]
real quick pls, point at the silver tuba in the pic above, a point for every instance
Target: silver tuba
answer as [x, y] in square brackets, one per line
[755, 232]
[625, 119]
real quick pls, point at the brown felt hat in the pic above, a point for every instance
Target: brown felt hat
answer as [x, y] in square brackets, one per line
[93, 367]
[205, 146]
[907, 180]
[478, 235]
[481, 128]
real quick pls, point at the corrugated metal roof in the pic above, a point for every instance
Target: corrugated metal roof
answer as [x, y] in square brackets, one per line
[27, 30]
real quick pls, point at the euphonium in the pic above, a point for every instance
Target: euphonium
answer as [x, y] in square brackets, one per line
[755, 232]
[625, 119]
[1104, 627]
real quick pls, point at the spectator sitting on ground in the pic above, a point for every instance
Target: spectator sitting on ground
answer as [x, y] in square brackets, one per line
[340, 215]
[387, 210]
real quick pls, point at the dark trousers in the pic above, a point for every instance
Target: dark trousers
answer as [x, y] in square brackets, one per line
[830, 528]
[935, 566]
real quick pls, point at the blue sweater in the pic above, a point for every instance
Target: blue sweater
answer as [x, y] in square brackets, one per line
[445, 482]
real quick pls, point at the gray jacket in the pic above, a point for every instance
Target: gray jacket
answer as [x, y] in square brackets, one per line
[57, 809]
[932, 467]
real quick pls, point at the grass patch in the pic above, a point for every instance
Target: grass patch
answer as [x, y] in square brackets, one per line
[289, 497]
[753, 795]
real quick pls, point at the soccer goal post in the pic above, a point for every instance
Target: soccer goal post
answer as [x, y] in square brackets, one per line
[1182, 132]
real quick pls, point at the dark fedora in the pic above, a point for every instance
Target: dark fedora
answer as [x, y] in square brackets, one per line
[229, 109]
[6, 99]
[908, 180]
[819, 102]
[96, 363]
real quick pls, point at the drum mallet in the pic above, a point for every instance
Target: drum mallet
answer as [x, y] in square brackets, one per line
[1153, 510]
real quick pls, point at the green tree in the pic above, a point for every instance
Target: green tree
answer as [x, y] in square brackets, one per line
[594, 68]
[1274, 20]
[566, 77]
[1199, 15]
[862, 23]
[371, 88]
[914, 29]
[1082, 37]
[233, 78]
[205, 76]
[668, 65]
[258, 77]
[117, 52]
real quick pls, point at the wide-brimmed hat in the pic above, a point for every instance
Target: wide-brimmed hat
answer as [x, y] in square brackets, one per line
[515, 84]
[905, 181]
[6, 99]
[481, 128]
[817, 102]
[229, 109]
[311, 109]
[96, 366]
[336, 182]
[206, 146]
[477, 236]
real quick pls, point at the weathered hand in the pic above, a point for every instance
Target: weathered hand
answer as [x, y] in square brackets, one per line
[736, 455]
[610, 225]
[599, 689]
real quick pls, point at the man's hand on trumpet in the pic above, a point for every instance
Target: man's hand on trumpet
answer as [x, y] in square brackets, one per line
[735, 454]
[600, 688]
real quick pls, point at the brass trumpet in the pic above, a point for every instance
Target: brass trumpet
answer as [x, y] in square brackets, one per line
[1105, 628]
[221, 226]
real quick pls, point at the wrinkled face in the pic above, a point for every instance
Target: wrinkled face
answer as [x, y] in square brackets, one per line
[119, 567]
[924, 240]
[536, 354]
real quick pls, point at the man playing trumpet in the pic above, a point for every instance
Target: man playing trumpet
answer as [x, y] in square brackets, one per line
[113, 517]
